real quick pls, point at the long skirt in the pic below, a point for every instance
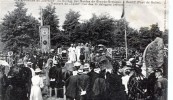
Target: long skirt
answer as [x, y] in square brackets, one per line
[36, 93]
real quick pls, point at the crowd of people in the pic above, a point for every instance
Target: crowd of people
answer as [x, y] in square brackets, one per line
[86, 75]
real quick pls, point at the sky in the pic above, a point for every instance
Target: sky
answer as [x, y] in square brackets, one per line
[138, 15]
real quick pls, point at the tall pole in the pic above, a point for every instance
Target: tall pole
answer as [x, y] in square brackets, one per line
[125, 36]
[41, 16]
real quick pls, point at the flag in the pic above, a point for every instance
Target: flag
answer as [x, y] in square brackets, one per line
[123, 13]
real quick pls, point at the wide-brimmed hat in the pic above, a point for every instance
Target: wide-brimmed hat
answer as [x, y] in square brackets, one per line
[80, 71]
[77, 64]
[38, 70]
[101, 49]
[100, 45]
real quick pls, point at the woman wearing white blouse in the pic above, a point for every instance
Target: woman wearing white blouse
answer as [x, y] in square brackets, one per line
[37, 84]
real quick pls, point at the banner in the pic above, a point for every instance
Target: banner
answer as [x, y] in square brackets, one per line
[45, 39]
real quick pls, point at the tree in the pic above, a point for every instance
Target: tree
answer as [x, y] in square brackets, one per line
[119, 32]
[70, 24]
[98, 29]
[133, 39]
[147, 35]
[50, 18]
[155, 31]
[19, 30]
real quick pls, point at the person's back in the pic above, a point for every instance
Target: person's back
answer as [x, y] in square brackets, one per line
[92, 77]
[83, 82]
[151, 81]
[59, 81]
[71, 87]
[116, 88]
[59, 77]
[52, 73]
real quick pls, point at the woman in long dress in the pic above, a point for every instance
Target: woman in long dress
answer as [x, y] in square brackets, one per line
[72, 55]
[37, 84]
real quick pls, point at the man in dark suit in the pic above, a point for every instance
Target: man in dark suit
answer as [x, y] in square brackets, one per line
[59, 80]
[82, 84]
[151, 81]
[71, 87]
[93, 75]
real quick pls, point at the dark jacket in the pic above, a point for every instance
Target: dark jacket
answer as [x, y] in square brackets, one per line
[151, 81]
[92, 77]
[59, 78]
[161, 89]
[52, 72]
[71, 86]
[83, 82]
[99, 89]
[116, 89]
